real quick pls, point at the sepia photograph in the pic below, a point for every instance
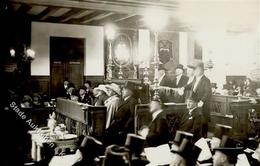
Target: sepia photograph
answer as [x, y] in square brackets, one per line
[130, 82]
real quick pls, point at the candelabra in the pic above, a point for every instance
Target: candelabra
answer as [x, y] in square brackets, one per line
[156, 63]
[110, 33]
[110, 62]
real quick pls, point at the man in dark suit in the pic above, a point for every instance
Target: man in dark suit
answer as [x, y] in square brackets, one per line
[123, 122]
[180, 80]
[192, 121]
[163, 79]
[200, 90]
[158, 131]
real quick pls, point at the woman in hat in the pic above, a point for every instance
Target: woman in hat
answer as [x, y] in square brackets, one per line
[112, 103]
[100, 94]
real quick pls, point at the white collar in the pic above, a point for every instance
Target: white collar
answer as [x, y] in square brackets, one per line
[191, 110]
[127, 98]
[198, 78]
[160, 79]
[179, 76]
[156, 113]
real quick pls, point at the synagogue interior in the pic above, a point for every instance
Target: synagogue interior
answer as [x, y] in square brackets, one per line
[130, 82]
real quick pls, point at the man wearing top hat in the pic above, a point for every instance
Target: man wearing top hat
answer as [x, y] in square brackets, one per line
[123, 122]
[200, 90]
[226, 154]
[185, 153]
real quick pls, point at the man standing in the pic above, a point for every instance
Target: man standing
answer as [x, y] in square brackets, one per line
[123, 122]
[180, 80]
[201, 92]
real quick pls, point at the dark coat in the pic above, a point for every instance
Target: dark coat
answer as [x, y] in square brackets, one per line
[123, 122]
[86, 99]
[182, 82]
[158, 132]
[202, 93]
[193, 123]
[166, 81]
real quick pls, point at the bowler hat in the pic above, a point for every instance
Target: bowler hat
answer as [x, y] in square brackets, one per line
[179, 66]
[199, 65]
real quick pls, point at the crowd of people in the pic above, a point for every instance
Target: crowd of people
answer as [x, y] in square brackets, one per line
[189, 145]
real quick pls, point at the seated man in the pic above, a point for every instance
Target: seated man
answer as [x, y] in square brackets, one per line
[226, 154]
[158, 131]
[193, 120]
[123, 122]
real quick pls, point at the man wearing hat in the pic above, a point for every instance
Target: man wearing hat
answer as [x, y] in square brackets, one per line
[226, 154]
[162, 77]
[192, 121]
[186, 153]
[101, 95]
[180, 80]
[158, 131]
[200, 90]
[123, 122]
[112, 103]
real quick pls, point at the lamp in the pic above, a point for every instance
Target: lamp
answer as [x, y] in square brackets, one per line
[110, 34]
[155, 20]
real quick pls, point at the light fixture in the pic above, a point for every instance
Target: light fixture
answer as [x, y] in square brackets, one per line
[110, 34]
[155, 20]
[12, 52]
[30, 54]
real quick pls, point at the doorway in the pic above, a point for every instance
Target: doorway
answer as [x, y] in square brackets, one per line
[66, 61]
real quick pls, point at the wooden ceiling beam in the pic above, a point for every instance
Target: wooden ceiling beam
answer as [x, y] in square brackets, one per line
[71, 14]
[97, 17]
[126, 7]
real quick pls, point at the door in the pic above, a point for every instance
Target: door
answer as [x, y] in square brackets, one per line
[67, 61]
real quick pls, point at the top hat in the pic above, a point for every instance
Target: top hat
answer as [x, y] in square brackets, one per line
[179, 66]
[221, 130]
[189, 151]
[179, 136]
[230, 147]
[90, 148]
[117, 154]
[116, 88]
[135, 143]
[130, 85]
